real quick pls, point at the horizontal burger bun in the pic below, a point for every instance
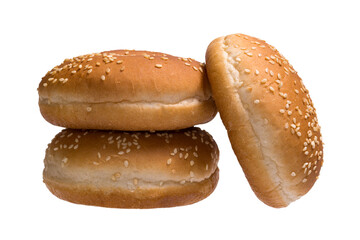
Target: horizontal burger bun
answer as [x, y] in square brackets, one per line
[270, 118]
[132, 169]
[127, 90]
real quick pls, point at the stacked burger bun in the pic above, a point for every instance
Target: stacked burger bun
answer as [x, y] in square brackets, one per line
[142, 150]
[129, 141]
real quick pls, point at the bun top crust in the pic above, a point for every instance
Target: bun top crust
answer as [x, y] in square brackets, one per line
[264, 99]
[124, 75]
[189, 155]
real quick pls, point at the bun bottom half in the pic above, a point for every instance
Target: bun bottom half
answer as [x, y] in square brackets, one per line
[157, 197]
[132, 169]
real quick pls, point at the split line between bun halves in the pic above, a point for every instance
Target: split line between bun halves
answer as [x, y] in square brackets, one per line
[130, 140]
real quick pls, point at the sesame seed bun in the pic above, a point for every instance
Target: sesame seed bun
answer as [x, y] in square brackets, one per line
[132, 169]
[269, 116]
[127, 90]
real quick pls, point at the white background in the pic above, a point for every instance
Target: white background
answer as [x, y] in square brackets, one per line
[321, 41]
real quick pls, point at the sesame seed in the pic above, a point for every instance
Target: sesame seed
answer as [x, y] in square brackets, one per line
[99, 155]
[293, 174]
[164, 58]
[299, 134]
[45, 84]
[238, 59]
[263, 81]
[257, 72]
[272, 89]
[102, 77]
[192, 163]
[158, 65]
[249, 54]
[97, 64]
[128, 150]
[168, 162]
[107, 158]
[107, 71]
[73, 71]
[247, 71]
[88, 109]
[195, 154]
[304, 180]
[65, 160]
[309, 133]
[126, 163]
[119, 62]
[282, 110]
[289, 112]
[122, 68]
[187, 64]
[89, 71]
[120, 153]
[257, 101]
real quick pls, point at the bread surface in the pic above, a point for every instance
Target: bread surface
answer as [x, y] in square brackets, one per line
[270, 118]
[132, 169]
[114, 89]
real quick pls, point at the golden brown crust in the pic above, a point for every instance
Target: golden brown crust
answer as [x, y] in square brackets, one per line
[139, 79]
[158, 197]
[137, 165]
[270, 118]
[128, 116]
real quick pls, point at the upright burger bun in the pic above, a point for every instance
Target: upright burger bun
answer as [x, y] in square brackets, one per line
[269, 116]
[127, 90]
[132, 169]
